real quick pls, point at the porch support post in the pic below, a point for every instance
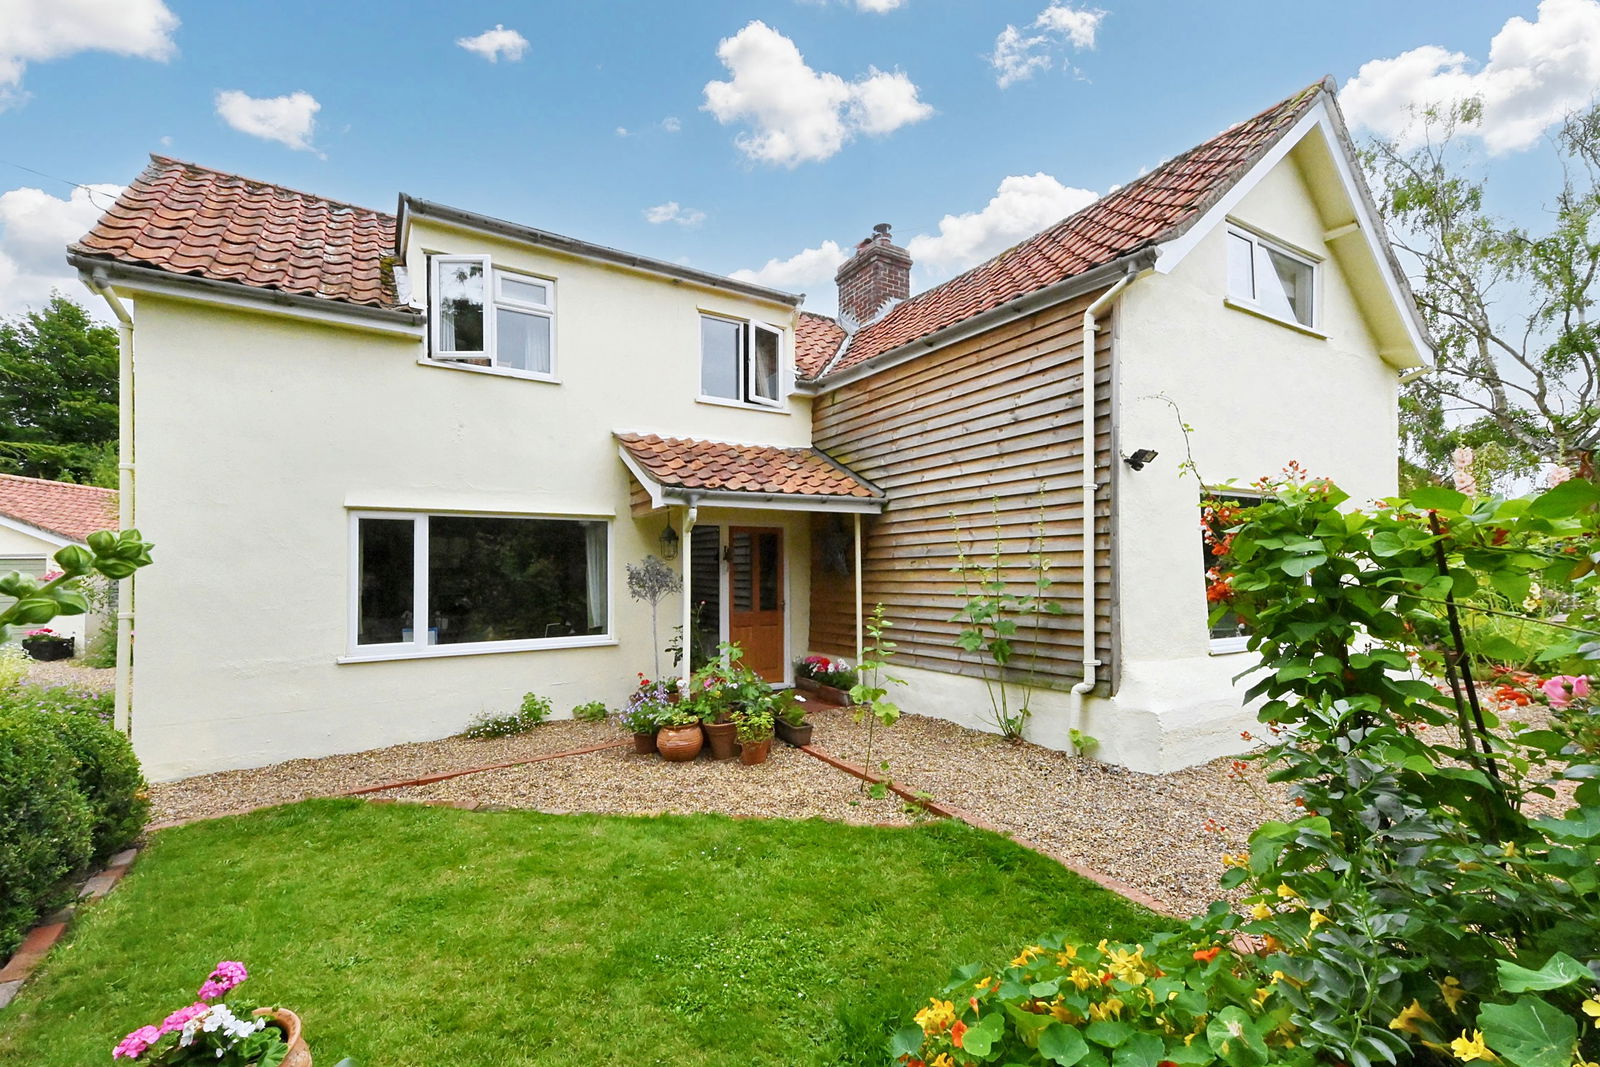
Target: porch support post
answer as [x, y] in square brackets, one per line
[686, 556]
[860, 634]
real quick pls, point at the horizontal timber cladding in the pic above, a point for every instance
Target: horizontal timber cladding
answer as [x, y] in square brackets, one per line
[983, 433]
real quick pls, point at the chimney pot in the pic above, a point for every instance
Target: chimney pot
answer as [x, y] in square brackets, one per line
[874, 279]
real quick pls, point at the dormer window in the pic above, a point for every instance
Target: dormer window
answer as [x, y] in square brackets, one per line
[490, 318]
[1271, 279]
[741, 361]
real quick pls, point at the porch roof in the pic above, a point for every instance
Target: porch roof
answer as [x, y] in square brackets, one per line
[686, 470]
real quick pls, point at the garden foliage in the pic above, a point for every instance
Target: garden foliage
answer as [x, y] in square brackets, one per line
[1439, 899]
[70, 793]
[535, 709]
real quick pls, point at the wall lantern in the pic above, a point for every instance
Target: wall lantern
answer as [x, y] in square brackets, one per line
[1140, 458]
[668, 542]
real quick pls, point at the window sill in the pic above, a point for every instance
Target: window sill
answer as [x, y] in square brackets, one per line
[445, 651]
[1229, 646]
[499, 372]
[724, 402]
[1251, 309]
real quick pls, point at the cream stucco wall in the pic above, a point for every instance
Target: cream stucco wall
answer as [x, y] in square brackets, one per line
[257, 434]
[1257, 394]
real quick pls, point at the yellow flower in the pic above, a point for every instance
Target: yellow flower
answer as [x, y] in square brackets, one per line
[1409, 1017]
[1286, 892]
[1064, 1014]
[1109, 1009]
[1236, 859]
[1128, 966]
[1260, 911]
[1081, 978]
[1028, 955]
[1261, 995]
[1452, 992]
[1591, 1008]
[942, 1060]
[937, 1016]
[1319, 919]
[1471, 1048]
[1065, 957]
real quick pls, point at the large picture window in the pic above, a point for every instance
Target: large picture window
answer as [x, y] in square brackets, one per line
[741, 361]
[486, 317]
[478, 582]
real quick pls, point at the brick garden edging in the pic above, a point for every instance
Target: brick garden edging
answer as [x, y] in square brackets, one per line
[43, 937]
[946, 811]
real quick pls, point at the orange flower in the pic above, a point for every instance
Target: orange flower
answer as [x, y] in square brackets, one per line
[956, 1031]
[1206, 955]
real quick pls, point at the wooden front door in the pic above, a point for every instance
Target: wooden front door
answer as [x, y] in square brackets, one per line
[755, 598]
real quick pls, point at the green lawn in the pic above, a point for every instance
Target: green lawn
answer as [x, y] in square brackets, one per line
[413, 936]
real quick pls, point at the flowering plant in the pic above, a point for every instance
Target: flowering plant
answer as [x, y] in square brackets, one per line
[648, 705]
[209, 1030]
[46, 635]
[824, 671]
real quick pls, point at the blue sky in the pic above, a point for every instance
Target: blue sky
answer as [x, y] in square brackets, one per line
[602, 113]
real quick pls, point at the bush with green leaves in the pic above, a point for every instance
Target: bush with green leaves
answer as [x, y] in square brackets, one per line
[1427, 900]
[46, 824]
[109, 778]
[593, 711]
[535, 709]
[13, 667]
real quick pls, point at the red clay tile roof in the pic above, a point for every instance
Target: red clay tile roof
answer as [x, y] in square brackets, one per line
[1141, 213]
[186, 219]
[71, 511]
[816, 339]
[685, 463]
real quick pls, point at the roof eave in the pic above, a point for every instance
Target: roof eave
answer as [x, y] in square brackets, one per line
[460, 217]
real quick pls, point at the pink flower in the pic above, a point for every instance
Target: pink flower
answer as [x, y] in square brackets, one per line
[174, 1022]
[40, 630]
[1580, 686]
[134, 1044]
[228, 975]
[1559, 689]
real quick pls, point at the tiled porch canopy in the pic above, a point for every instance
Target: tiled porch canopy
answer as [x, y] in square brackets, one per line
[681, 471]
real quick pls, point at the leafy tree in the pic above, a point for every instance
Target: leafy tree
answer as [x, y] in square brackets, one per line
[1518, 374]
[58, 395]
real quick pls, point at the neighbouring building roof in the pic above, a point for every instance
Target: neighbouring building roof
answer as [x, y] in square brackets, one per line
[1147, 211]
[722, 467]
[816, 339]
[190, 220]
[62, 508]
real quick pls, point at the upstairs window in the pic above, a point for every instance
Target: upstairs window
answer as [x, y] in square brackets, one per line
[741, 361]
[1278, 282]
[487, 317]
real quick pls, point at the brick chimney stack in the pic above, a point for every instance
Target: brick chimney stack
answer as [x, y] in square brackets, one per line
[877, 277]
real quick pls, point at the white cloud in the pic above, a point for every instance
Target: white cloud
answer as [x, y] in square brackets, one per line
[1023, 205]
[672, 211]
[35, 229]
[798, 114]
[289, 120]
[671, 124]
[622, 131]
[880, 6]
[496, 44]
[35, 31]
[1018, 55]
[1537, 72]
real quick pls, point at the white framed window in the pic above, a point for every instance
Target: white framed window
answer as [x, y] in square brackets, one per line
[432, 584]
[1271, 278]
[1229, 632]
[741, 361]
[488, 318]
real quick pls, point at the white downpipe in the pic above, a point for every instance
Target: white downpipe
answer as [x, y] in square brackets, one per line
[1091, 663]
[860, 633]
[686, 637]
[121, 719]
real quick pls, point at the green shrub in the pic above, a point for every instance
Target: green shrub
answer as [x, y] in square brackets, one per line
[109, 777]
[535, 710]
[102, 650]
[46, 826]
[13, 667]
[593, 711]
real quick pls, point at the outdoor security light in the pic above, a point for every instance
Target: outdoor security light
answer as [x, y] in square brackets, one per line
[1140, 458]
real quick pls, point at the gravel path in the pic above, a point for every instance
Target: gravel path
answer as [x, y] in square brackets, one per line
[67, 672]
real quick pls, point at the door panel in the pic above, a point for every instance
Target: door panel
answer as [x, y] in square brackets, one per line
[755, 595]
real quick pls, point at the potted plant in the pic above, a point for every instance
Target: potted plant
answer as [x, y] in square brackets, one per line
[45, 644]
[754, 728]
[641, 716]
[649, 581]
[790, 719]
[679, 739]
[829, 679]
[214, 1030]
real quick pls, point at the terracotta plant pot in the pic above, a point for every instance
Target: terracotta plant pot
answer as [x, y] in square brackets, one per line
[679, 744]
[289, 1023]
[645, 744]
[753, 752]
[724, 739]
[794, 735]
